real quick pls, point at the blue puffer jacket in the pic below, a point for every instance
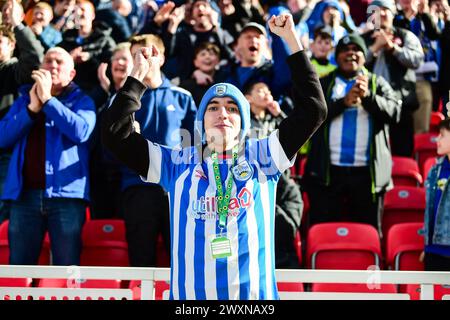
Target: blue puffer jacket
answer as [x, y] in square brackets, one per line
[69, 121]
[441, 234]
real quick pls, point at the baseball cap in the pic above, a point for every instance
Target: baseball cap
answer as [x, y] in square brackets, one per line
[256, 26]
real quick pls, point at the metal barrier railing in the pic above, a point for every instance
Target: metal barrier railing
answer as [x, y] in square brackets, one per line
[148, 276]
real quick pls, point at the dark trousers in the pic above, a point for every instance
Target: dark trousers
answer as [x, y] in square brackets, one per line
[146, 215]
[347, 198]
[435, 262]
[402, 135]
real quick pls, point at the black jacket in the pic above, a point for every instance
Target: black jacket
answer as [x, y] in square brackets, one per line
[99, 45]
[383, 106]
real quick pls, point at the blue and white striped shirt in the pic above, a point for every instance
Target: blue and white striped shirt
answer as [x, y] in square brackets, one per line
[249, 273]
[350, 132]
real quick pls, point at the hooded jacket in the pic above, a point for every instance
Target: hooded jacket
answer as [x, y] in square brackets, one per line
[69, 122]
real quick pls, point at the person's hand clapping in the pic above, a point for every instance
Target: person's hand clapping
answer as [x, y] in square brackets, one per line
[35, 104]
[43, 83]
[102, 77]
[362, 85]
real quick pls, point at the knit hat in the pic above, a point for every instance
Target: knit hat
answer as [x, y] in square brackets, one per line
[352, 38]
[223, 90]
[388, 4]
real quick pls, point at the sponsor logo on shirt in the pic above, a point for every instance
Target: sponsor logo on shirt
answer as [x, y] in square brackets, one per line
[205, 208]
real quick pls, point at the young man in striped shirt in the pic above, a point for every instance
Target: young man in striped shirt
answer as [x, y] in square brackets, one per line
[222, 189]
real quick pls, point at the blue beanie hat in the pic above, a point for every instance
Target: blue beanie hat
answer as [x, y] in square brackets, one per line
[223, 90]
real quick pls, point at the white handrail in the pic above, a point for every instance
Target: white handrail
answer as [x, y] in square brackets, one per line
[371, 277]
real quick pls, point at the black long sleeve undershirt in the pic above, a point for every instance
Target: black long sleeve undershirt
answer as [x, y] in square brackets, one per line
[131, 148]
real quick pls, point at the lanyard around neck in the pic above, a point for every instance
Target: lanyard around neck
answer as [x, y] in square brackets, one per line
[223, 200]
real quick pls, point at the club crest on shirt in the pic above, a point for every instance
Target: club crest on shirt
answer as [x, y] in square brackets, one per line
[242, 171]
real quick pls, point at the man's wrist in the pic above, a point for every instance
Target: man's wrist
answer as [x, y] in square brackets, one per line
[45, 99]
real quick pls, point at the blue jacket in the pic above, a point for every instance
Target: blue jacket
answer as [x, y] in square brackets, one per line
[163, 112]
[69, 121]
[441, 234]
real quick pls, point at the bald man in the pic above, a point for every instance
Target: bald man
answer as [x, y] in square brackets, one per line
[48, 127]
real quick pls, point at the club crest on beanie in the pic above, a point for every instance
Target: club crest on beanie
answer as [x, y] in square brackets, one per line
[220, 90]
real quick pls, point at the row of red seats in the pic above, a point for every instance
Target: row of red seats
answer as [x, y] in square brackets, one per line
[104, 244]
[405, 171]
[329, 246]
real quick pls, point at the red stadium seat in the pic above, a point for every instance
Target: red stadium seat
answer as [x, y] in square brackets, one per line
[343, 245]
[354, 287]
[435, 118]
[404, 245]
[44, 258]
[439, 291]
[427, 166]
[104, 244]
[405, 172]
[72, 283]
[290, 286]
[16, 282]
[424, 147]
[403, 204]
[160, 288]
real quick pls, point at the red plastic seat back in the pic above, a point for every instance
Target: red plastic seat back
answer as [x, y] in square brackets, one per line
[44, 257]
[403, 204]
[435, 118]
[405, 172]
[290, 286]
[424, 147]
[404, 245]
[414, 291]
[160, 288]
[81, 283]
[343, 245]
[104, 243]
[354, 287]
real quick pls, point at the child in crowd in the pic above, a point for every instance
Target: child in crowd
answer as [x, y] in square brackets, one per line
[44, 31]
[437, 211]
[207, 58]
[265, 117]
[321, 48]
